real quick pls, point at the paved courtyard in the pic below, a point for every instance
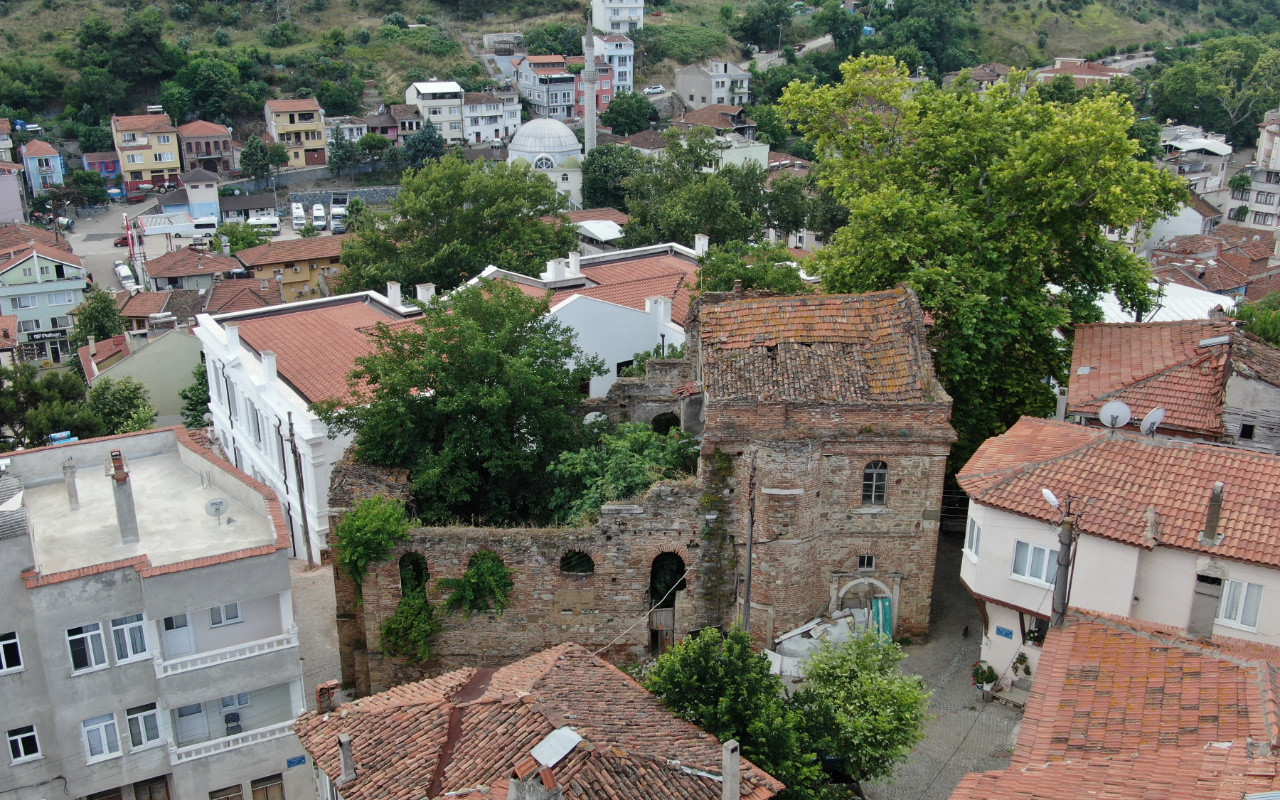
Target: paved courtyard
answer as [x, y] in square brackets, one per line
[965, 734]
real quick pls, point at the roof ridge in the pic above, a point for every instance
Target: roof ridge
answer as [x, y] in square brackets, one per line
[1024, 468]
[1193, 361]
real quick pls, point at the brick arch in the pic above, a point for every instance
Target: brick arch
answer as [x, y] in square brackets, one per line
[590, 551]
[651, 552]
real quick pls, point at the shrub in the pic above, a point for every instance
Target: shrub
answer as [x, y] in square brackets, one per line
[222, 37]
[410, 631]
[485, 585]
[368, 532]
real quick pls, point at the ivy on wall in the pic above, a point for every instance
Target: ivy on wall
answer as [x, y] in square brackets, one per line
[485, 586]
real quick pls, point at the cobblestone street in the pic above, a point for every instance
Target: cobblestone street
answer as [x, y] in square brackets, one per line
[966, 734]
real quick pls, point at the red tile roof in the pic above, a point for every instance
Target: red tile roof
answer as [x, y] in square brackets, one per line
[316, 346]
[106, 350]
[240, 295]
[150, 123]
[141, 304]
[187, 262]
[203, 128]
[1153, 364]
[14, 255]
[17, 235]
[36, 147]
[106, 155]
[1122, 476]
[818, 348]
[284, 106]
[632, 747]
[720, 117]
[1203, 207]
[5, 125]
[292, 250]
[1235, 235]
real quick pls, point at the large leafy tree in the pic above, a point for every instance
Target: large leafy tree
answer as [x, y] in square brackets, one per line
[768, 267]
[554, 38]
[724, 687]
[628, 113]
[764, 23]
[195, 397]
[979, 202]
[254, 162]
[604, 173]
[33, 405]
[788, 204]
[344, 154]
[423, 146]
[859, 708]
[98, 316]
[241, 236]
[123, 405]
[476, 400]
[451, 219]
[90, 185]
[1226, 87]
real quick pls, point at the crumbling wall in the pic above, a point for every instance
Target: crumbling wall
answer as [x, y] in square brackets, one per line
[642, 399]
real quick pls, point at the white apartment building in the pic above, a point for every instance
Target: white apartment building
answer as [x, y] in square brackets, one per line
[147, 648]
[715, 83]
[1171, 531]
[620, 53]
[615, 16]
[441, 104]
[266, 367]
[490, 116]
[352, 128]
[548, 85]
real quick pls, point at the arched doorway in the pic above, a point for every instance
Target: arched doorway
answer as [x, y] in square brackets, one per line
[666, 579]
[871, 603]
[664, 422]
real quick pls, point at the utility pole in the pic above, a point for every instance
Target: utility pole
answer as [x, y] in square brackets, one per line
[1066, 540]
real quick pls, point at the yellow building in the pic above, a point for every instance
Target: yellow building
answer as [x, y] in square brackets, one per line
[304, 268]
[147, 146]
[298, 125]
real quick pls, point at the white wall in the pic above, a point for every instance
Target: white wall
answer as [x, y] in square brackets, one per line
[615, 333]
[1168, 578]
[1186, 222]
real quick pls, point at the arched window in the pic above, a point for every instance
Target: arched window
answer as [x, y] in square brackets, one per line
[664, 422]
[576, 562]
[666, 577]
[564, 177]
[544, 162]
[413, 573]
[875, 477]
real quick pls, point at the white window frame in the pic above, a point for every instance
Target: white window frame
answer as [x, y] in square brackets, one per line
[163, 138]
[238, 700]
[123, 630]
[135, 158]
[89, 632]
[973, 540]
[20, 301]
[28, 325]
[136, 722]
[58, 323]
[109, 730]
[1239, 618]
[1049, 565]
[18, 736]
[219, 618]
[10, 653]
[63, 298]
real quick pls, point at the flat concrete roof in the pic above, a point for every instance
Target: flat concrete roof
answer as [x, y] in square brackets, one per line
[172, 522]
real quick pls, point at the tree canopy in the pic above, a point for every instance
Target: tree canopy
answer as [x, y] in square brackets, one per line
[476, 400]
[628, 113]
[762, 267]
[195, 397]
[98, 316]
[123, 405]
[423, 146]
[451, 219]
[980, 201]
[241, 236]
[604, 174]
[1225, 86]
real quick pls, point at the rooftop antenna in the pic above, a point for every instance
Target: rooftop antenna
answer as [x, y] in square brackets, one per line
[1152, 421]
[1115, 414]
[216, 508]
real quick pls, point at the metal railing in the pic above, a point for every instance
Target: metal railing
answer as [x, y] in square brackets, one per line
[213, 747]
[225, 654]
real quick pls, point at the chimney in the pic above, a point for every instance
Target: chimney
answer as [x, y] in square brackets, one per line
[348, 760]
[393, 293]
[555, 270]
[233, 337]
[701, 243]
[126, 516]
[1206, 596]
[269, 365]
[1209, 536]
[93, 346]
[737, 288]
[731, 769]
[575, 264]
[660, 308]
[327, 696]
[425, 291]
[69, 475]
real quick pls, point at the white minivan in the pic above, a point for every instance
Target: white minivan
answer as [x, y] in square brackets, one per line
[318, 217]
[268, 223]
[299, 216]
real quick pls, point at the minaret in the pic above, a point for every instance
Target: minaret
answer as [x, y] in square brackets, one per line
[589, 81]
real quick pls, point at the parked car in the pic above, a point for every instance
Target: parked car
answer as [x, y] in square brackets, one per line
[135, 197]
[655, 89]
[122, 241]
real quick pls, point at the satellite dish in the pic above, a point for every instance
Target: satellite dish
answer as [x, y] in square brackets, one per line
[216, 508]
[1115, 414]
[1152, 421]
[1050, 496]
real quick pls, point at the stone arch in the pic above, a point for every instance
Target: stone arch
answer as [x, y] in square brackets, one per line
[415, 575]
[577, 563]
[664, 422]
[883, 589]
[667, 577]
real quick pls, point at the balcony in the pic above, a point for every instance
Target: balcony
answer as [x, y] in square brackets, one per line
[179, 755]
[234, 653]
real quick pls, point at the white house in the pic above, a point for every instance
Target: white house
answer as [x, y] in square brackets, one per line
[616, 16]
[620, 53]
[440, 103]
[352, 128]
[266, 367]
[1178, 533]
[490, 116]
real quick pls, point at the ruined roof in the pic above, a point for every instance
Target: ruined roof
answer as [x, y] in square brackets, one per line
[187, 261]
[491, 720]
[591, 214]
[403, 111]
[719, 117]
[1139, 490]
[818, 348]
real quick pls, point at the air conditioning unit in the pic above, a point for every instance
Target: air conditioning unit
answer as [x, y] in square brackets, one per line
[297, 269]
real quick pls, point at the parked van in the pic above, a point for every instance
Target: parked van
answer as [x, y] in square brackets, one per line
[318, 217]
[125, 275]
[268, 222]
[338, 219]
[299, 216]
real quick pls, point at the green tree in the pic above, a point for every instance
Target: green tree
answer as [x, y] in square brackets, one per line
[622, 464]
[123, 405]
[423, 146]
[628, 113]
[242, 235]
[451, 219]
[35, 404]
[212, 84]
[476, 400]
[979, 201]
[343, 154]
[176, 100]
[374, 146]
[1226, 87]
[826, 215]
[97, 316]
[604, 174]
[309, 231]
[195, 397]
[768, 267]
[90, 185]
[725, 688]
[485, 586]
[368, 533]
[764, 23]
[554, 39]
[771, 126]
[55, 416]
[788, 204]
[1241, 182]
[859, 708]
[1261, 318]
[253, 160]
[96, 139]
[844, 26]
[96, 88]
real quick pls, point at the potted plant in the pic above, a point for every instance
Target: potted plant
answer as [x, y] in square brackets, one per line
[984, 675]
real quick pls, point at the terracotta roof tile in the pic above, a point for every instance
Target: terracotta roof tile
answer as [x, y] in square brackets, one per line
[283, 106]
[17, 235]
[36, 147]
[1234, 235]
[819, 348]
[19, 253]
[151, 123]
[633, 294]
[106, 350]
[292, 250]
[8, 331]
[240, 295]
[202, 127]
[141, 304]
[1123, 475]
[188, 261]
[587, 214]
[719, 117]
[106, 155]
[630, 739]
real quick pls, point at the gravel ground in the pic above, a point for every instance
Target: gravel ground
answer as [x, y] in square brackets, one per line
[965, 734]
[314, 614]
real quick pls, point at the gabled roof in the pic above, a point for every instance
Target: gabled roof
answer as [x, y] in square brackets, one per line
[38, 148]
[202, 127]
[284, 106]
[141, 304]
[1234, 235]
[10, 258]
[241, 295]
[148, 123]
[720, 117]
[645, 140]
[818, 348]
[1122, 477]
[589, 214]
[107, 155]
[188, 261]
[478, 727]
[17, 235]
[292, 250]
[1203, 207]
[102, 352]
[198, 175]
[246, 202]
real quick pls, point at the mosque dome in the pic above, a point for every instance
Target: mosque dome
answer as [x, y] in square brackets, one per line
[540, 139]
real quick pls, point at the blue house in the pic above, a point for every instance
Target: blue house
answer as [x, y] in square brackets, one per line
[45, 166]
[106, 163]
